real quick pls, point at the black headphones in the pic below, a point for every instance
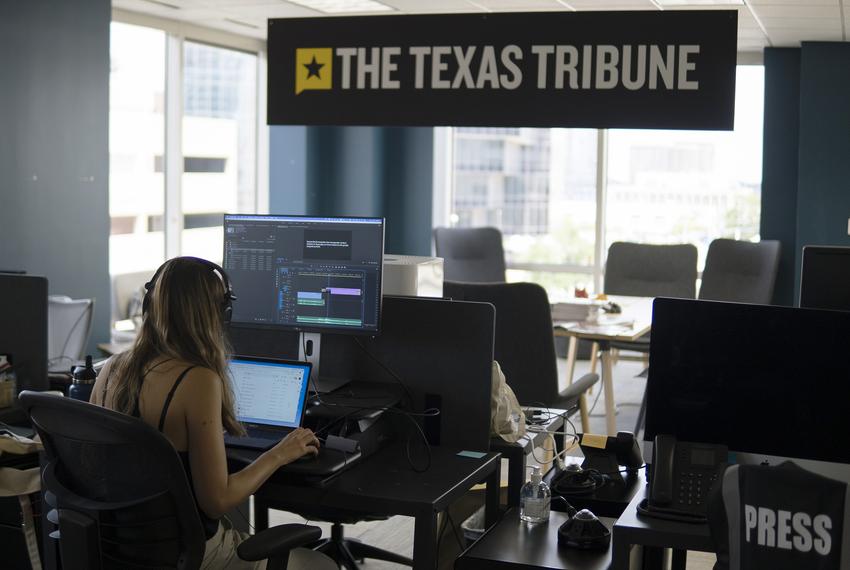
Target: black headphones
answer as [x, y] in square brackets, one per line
[227, 301]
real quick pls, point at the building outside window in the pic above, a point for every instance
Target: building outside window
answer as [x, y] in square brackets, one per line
[540, 187]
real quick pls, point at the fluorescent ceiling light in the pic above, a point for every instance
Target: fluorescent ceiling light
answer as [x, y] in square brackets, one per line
[343, 6]
[700, 2]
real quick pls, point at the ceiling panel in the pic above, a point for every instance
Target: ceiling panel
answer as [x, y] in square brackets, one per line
[787, 21]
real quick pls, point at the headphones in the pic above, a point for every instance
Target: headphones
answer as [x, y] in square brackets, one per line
[226, 302]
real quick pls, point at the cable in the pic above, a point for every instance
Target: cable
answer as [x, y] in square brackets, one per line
[63, 356]
[455, 531]
[386, 369]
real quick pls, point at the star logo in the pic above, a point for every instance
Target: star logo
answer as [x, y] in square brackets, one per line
[313, 69]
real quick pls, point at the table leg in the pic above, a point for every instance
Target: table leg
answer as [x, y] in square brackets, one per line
[680, 559]
[594, 361]
[585, 415]
[608, 386]
[491, 498]
[572, 351]
[620, 553]
[516, 474]
[425, 540]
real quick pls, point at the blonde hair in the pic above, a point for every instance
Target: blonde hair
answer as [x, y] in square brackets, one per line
[183, 321]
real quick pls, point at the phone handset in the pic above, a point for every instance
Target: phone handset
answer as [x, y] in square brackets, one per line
[661, 486]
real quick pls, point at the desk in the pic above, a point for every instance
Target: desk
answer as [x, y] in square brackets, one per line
[514, 545]
[384, 484]
[638, 310]
[632, 529]
[516, 453]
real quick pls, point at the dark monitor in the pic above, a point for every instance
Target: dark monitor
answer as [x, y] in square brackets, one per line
[825, 278]
[304, 273]
[766, 381]
[23, 328]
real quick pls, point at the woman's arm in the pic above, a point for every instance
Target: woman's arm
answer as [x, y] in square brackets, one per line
[217, 491]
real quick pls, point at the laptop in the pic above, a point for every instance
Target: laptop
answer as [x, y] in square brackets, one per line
[270, 399]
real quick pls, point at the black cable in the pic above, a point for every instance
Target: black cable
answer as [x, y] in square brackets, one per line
[386, 369]
[440, 532]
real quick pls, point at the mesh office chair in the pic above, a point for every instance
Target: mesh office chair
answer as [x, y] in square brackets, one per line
[525, 346]
[68, 328]
[740, 271]
[471, 255]
[120, 497]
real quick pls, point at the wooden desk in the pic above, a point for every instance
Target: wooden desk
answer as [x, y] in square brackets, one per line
[514, 545]
[385, 484]
[637, 312]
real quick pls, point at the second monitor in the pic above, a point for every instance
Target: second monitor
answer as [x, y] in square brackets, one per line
[319, 274]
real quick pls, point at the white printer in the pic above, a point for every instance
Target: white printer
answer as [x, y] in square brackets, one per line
[413, 275]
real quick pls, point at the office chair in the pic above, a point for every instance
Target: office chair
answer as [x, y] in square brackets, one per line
[792, 518]
[740, 271]
[525, 345]
[120, 497]
[471, 255]
[68, 328]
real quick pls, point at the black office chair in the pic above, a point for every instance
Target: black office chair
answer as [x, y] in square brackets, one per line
[119, 495]
[471, 255]
[525, 346]
[740, 271]
[792, 519]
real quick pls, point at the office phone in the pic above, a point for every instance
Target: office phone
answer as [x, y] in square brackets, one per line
[682, 475]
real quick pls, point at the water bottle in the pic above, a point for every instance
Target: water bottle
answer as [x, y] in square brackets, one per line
[82, 381]
[535, 498]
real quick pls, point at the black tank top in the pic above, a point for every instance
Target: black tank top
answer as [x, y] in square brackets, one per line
[210, 525]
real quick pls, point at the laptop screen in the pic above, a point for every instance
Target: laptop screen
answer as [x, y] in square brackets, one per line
[269, 392]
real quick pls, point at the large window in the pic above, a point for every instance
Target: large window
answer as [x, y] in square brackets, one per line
[183, 145]
[559, 212]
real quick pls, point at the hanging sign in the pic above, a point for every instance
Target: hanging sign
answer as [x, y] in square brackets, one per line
[648, 69]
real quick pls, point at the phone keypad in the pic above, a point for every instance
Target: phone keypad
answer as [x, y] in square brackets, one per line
[694, 487]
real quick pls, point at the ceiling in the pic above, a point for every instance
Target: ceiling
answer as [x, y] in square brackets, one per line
[761, 23]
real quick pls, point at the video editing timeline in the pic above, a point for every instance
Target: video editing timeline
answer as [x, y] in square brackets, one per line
[308, 273]
[330, 295]
[268, 393]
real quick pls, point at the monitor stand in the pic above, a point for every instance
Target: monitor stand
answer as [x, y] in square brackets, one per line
[313, 344]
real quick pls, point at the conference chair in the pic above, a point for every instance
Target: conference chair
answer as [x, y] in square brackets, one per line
[118, 493]
[471, 255]
[779, 517]
[524, 345]
[740, 271]
[68, 328]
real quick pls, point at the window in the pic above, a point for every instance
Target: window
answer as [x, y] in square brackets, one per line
[164, 87]
[541, 188]
[136, 137]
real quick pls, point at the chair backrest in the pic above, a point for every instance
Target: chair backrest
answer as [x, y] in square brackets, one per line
[68, 328]
[779, 517]
[740, 271]
[118, 486]
[525, 345]
[124, 287]
[651, 270]
[471, 255]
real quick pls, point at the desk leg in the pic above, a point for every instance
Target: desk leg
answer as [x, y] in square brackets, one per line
[585, 415]
[491, 499]
[608, 386]
[516, 474]
[680, 559]
[620, 553]
[425, 541]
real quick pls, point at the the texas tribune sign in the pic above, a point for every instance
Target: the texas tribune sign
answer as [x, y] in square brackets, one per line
[671, 69]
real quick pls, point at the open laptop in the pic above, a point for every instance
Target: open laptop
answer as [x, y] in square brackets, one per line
[270, 399]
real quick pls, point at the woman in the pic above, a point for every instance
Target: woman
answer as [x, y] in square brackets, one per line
[175, 378]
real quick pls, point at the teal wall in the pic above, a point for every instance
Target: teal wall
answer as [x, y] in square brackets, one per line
[54, 153]
[358, 171]
[806, 171]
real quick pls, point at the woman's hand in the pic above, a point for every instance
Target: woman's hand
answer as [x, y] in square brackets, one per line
[298, 443]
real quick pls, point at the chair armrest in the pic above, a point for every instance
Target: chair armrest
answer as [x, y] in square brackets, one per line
[578, 387]
[277, 540]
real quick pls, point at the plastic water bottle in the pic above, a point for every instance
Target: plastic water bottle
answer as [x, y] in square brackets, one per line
[535, 498]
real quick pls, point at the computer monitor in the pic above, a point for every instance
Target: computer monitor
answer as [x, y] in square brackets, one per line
[305, 273]
[23, 328]
[769, 382]
[825, 278]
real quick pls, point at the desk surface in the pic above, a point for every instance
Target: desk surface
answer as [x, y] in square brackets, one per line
[386, 484]
[516, 545]
[637, 311]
